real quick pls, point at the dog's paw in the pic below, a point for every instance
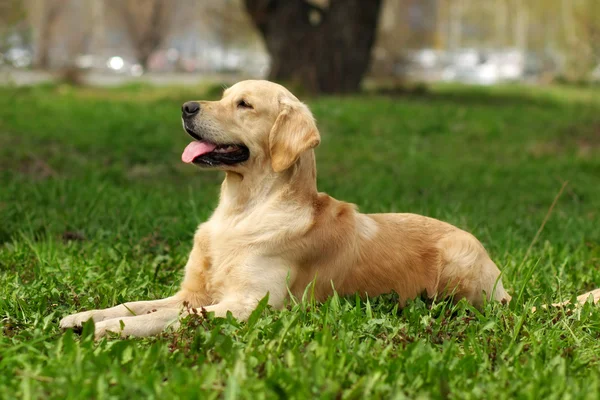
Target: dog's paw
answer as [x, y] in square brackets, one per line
[139, 326]
[115, 326]
[76, 320]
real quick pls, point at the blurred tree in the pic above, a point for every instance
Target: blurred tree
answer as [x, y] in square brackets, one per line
[589, 20]
[581, 21]
[228, 21]
[97, 26]
[12, 12]
[43, 15]
[147, 24]
[521, 25]
[323, 45]
[456, 24]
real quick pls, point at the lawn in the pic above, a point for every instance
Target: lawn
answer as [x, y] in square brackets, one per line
[95, 209]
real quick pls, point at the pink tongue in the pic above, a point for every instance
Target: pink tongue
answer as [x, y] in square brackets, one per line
[196, 149]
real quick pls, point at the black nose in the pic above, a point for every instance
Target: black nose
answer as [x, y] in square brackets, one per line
[190, 108]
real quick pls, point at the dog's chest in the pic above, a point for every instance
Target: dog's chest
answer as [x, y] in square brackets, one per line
[266, 231]
[262, 226]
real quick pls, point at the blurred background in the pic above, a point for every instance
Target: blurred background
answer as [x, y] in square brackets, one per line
[356, 42]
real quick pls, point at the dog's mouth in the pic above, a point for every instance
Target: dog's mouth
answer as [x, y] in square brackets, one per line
[204, 152]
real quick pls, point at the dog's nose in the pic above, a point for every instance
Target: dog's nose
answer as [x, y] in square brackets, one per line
[190, 108]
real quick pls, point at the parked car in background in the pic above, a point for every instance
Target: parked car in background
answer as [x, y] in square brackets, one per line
[115, 64]
[596, 74]
[17, 57]
[473, 66]
[485, 67]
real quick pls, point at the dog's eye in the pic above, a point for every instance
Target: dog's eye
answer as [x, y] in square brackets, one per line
[243, 104]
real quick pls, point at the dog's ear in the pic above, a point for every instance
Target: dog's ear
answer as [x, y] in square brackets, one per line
[293, 133]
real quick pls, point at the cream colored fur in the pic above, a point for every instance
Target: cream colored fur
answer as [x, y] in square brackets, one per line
[273, 230]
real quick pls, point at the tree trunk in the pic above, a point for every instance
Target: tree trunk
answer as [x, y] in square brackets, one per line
[521, 26]
[441, 25]
[42, 60]
[456, 20]
[501, 13]
[97, 34]
[147, 24]
[42, 16]
[325, 49]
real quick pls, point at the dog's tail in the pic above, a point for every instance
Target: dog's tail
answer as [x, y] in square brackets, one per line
[581, 299]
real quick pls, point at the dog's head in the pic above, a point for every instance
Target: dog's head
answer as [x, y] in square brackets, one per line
[256, 124]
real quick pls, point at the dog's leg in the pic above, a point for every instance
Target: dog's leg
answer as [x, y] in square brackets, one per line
[142, 325]
[262, 275]
[581, 299]
[192, 294]
[126, 310]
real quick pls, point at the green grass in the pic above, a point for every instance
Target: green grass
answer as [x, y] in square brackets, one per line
[97, 209]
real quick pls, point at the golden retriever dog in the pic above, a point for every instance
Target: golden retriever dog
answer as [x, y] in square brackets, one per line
[274, 233]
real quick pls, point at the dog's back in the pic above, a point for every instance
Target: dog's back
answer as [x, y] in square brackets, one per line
[372, 254]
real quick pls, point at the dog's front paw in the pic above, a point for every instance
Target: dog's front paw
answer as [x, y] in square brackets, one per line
[112, 325]
[139, 326]
[76, 320]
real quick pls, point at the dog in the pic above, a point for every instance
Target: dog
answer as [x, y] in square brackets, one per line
[274, 233]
